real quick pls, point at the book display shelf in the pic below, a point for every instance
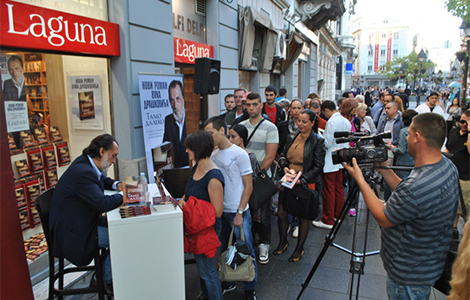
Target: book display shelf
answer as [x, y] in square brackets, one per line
[44, 155]
[36, 83]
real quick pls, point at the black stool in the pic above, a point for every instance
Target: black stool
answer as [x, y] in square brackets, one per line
[43, 204]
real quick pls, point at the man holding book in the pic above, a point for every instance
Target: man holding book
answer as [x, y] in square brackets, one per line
[234, 163]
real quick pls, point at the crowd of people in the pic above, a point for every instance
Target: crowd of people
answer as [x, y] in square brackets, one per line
[233, 149]
[302, 132]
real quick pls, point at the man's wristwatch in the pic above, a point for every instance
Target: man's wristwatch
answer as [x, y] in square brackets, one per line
[240, 211]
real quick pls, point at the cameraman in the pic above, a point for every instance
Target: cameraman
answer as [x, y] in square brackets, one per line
[418, 219]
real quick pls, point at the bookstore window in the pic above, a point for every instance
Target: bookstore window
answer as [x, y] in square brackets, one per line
[54, 106]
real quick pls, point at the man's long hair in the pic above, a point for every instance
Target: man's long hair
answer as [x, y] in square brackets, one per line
[105, 140]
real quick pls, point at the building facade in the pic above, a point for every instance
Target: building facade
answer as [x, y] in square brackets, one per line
[377, 41]
[286, 43]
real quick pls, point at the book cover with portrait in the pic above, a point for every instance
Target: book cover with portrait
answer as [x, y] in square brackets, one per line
[86, 105]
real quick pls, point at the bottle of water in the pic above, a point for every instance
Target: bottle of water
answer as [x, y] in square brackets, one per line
[143, 180]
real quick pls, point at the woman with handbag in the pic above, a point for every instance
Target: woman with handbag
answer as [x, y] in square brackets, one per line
[304, 152]
[207, 184]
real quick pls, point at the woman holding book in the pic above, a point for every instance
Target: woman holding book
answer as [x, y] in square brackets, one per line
[304, 152]
[206, 183]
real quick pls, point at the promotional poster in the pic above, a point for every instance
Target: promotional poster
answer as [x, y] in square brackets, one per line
[87, 107]
[163, 119]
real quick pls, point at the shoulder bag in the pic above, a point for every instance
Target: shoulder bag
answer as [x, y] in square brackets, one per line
[243, 272]
[300, 201]
[263, 186]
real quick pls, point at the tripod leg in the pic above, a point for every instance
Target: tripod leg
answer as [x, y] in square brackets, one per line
[359, 262]
[329, 238]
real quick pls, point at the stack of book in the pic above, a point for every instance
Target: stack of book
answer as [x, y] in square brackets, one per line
[35, 246]
[134, 211]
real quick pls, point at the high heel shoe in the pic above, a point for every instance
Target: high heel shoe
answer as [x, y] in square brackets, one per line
[279, 252]
[296, 259]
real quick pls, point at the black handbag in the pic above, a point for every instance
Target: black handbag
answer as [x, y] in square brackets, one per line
[263, 186]
[263, 189]
[301, 201]
[442, 284]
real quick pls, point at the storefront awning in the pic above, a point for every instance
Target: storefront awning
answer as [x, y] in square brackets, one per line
[248, 17]
[294, 47]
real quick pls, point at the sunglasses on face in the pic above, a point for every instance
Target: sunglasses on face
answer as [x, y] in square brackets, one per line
[463, 122]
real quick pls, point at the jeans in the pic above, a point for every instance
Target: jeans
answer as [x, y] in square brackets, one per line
[103, 242]
[264, 229]
[208, 277]
[398, 291]
[225, 224]
[293, 221]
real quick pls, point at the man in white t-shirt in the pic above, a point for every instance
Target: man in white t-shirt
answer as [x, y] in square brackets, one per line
[431, 105]
[332, 177]
[263, 144]
[234, 163]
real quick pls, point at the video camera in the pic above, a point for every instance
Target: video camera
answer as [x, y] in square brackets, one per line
[369, 149]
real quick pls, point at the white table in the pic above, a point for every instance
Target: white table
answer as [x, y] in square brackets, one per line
[147, 256]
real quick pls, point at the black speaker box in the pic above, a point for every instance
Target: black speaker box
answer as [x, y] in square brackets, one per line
[207, 76]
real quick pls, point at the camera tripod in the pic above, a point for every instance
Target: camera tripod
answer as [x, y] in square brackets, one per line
[357, 261]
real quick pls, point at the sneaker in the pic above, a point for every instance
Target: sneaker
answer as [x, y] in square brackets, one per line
[352, 212]
[263, 253]
[320, 224]
[250, 295]
[295, 232]
[228, 287]
[200, 296]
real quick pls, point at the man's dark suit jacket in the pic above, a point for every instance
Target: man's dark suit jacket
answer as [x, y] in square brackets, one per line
[172, 134]
[76, 206]
[10, 92]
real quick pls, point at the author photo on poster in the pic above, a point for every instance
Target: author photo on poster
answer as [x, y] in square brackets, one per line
[175, 123]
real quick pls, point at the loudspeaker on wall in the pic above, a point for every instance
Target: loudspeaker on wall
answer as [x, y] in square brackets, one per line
[206, 76]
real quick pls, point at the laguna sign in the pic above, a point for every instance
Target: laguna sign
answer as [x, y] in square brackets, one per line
[31, 27]
[187, 51]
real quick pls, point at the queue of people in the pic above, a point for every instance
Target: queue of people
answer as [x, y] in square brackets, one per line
[232, 149]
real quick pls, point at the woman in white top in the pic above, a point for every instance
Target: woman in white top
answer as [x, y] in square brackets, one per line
[367, 124]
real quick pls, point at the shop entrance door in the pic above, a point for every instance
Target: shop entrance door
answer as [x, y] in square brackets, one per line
[196, 112]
